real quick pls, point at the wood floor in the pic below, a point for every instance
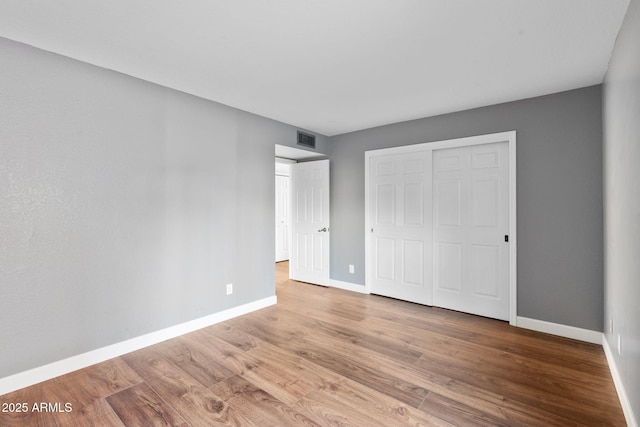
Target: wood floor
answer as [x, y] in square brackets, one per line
[329, 357]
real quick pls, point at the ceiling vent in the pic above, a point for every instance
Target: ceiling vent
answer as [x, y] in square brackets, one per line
[306, 140]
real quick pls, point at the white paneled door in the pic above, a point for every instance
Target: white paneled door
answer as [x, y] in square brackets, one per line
[471, 227]
[399, 222]
[309, 257]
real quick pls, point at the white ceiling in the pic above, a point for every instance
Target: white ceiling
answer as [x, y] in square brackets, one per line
[334, 66]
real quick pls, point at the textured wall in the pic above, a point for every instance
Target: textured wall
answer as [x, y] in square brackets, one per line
[125, 207]
[622, 204]
[559, 177]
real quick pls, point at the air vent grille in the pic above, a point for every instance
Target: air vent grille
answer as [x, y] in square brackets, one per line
[306, 140]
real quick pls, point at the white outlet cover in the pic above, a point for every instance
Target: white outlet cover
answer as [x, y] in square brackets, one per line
[229, 288]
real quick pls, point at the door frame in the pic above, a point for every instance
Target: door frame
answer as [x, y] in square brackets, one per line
[510, 138]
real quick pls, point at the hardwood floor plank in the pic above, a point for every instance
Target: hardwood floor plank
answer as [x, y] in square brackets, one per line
[235, 337]
[490, 333]
[458, 414]
[198, 364]
[85, 386]
[299, 294]
[315, 376]
[329, 357]
[258, 405]
[382, 407]
[349, 332]
[544, 392]
[16, 414]
[586, 357]
[140, 406]
[86, 389]
[332, 355]
[552, 378]
[557, 381]
[281, 383]
[443, 384]
[327, 411]
[195, 403]
[357, 335]
[99, 413]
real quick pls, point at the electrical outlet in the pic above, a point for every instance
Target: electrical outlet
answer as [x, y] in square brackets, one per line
[351, 269]
[229, 288]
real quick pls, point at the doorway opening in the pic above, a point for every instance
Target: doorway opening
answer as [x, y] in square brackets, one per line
[302, 213]
[283, 208]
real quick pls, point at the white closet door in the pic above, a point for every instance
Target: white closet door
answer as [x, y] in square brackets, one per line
[399, 221]
[471, 222]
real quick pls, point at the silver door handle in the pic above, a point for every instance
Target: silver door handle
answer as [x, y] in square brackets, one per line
[323, 230]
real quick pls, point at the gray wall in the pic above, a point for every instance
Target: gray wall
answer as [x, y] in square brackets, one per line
[559, 177]
[125, 207]
[622, 203]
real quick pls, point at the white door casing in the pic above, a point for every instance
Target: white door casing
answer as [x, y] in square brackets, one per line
[470, 228]
[400, 240]
[509, 138]
[310, 222]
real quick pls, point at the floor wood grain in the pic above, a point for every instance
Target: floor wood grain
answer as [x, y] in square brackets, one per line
[140, 405]
[328, 357]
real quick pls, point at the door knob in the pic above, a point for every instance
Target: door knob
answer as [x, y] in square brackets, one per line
[322, 230]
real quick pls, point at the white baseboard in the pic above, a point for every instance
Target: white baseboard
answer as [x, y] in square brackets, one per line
[587, 335]
[347, 286]
[61, 367]
[632, 421]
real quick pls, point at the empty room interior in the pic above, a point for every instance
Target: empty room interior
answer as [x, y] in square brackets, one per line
[360, 212]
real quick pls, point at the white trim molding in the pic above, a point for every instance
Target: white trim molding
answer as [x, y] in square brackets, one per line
[580, 334]
[73, 363]
[347, 286]
[629, 416]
